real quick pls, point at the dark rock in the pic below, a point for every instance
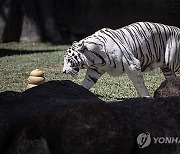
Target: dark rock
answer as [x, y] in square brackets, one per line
[60, 117]
[2, 22]
[48, 21]
[63, 117]
[60, 21]
[10, 96]
[12, 16]
[160, 117]
[31, 31]
[62, 90]
[169, 87]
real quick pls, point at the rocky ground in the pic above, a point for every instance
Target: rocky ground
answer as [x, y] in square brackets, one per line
[63, 117]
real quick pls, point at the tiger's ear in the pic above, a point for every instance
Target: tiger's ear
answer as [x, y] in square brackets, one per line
[74, 42]
[86, 46]
[81, 46]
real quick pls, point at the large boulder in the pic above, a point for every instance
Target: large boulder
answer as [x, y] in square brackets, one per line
[169, 87]
[59, 117]
[157, 117]
[63, 117]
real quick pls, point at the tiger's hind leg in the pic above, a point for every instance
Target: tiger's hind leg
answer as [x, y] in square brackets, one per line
[167, 72]
[171, 58]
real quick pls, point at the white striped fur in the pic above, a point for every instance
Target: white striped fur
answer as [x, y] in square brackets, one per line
[139, 47]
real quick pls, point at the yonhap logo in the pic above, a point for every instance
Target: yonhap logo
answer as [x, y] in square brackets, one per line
[144, 140]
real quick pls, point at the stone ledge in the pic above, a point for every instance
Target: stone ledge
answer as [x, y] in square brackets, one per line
[63, 117]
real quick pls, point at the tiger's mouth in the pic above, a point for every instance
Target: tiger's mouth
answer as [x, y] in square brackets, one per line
[73, 72]
[76, 69]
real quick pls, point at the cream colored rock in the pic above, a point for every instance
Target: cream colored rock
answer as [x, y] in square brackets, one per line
[37, 73]
[36, 78]
[31, 86]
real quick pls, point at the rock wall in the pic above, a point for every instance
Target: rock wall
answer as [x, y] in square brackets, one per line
[67, 20]
[63, 117]
[168, 88]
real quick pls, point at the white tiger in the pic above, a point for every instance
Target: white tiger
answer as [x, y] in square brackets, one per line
[133, 49]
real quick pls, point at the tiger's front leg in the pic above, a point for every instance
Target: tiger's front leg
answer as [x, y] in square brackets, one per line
[92, 75]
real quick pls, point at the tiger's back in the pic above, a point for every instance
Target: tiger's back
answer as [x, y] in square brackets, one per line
[149, 43]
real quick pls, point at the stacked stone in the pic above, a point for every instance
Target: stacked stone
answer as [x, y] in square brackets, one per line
[36, 78]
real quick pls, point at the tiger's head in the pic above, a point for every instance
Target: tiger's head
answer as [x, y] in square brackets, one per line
[82, 54]
[74, 59]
